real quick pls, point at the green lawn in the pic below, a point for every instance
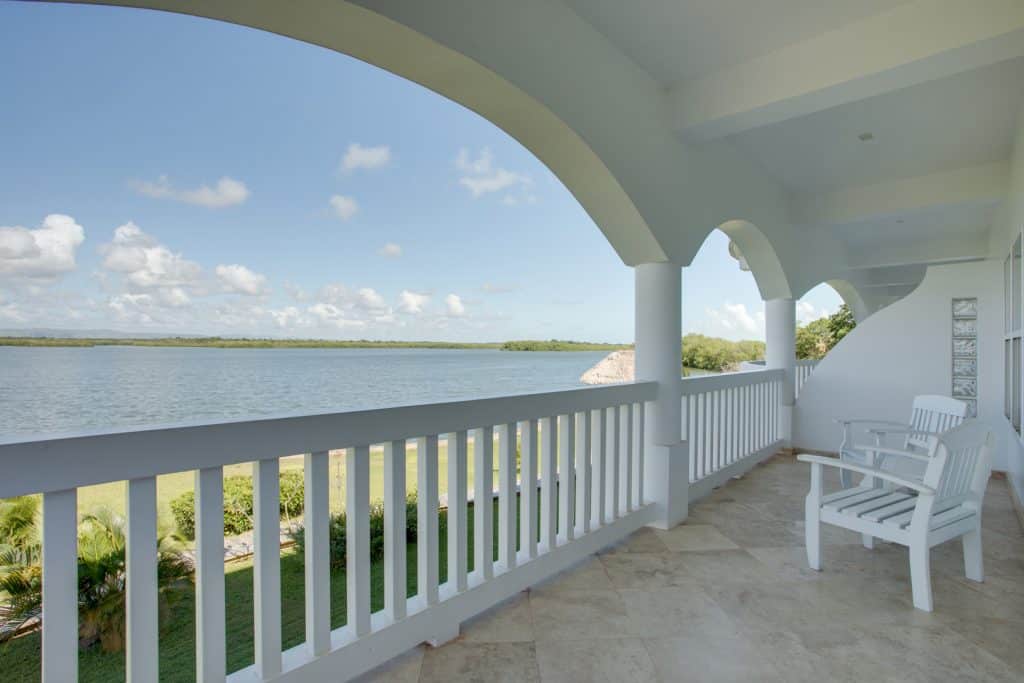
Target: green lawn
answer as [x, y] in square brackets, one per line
[170, 486]
[20, 659]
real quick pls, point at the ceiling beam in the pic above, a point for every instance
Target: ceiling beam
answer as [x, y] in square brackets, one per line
[984, 184]
[910, 44]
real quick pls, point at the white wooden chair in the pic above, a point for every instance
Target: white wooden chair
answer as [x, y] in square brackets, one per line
[929, 416]
[943, 505]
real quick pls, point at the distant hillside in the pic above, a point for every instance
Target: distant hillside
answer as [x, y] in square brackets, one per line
[42, 340]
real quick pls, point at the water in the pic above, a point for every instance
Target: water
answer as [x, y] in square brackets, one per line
[60, 390]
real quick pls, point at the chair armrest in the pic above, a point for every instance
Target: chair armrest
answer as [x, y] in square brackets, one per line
[870, 471]
[890, 451]
[903, 429]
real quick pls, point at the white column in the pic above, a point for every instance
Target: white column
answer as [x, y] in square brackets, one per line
[780, 332]
[659, 359]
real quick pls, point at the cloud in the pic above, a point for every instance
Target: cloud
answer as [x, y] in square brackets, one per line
[289, 316]
[735, 321]
[43, 253]
[296, 292]
[344, 207]
[334, 315]
[227, 192]
[145, 263]
[358, 156]
[806, 312]
[481, 176]
[454, 305]
[412, 302]
[239, 279]
[390, 250]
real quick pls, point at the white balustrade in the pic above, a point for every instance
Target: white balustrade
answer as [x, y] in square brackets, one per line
[580, 489]
[730, 423]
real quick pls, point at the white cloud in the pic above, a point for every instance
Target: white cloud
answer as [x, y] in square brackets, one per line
[806, 312]
[43, 253]
[358, 156]
[333, 315]
[227, 192]
[412, 302]
[145, 263]
[295, 292]
[454, 305]
[344, 207]
[239, 279]
[735, 321]
[481, 176]
[390, 250]
[288, 317]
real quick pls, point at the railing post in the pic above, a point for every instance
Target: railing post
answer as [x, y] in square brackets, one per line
[659, 358]
[780, 353]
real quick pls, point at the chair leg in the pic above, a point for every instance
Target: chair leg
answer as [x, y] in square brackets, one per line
[868, 540]
[920, 575]
[845, 479]
[973, 564]
[812, 535]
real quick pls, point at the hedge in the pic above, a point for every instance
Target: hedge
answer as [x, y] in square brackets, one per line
[238, 510]
[338, 538]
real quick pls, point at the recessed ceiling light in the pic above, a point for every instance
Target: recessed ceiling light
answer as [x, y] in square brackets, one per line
[899, 220]
[866, 137]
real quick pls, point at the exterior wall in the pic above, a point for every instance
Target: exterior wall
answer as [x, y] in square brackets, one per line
[1004, 232]
[905, 350]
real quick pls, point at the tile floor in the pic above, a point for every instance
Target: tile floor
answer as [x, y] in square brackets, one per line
[727, 596]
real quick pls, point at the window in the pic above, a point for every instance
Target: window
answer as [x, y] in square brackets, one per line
[1012, 335]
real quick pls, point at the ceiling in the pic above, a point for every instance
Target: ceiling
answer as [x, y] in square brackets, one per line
[675, 41]
[952, 122]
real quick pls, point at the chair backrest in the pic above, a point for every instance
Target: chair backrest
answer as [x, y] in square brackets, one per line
[960, 465]
[933, 414]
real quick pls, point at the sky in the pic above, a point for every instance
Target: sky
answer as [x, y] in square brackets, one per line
[167, 174]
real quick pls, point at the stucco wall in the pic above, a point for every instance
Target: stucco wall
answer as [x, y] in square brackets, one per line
[905, 350]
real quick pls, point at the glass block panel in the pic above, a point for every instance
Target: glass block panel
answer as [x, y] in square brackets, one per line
[965, 328]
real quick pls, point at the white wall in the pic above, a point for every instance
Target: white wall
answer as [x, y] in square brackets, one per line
[904, 350]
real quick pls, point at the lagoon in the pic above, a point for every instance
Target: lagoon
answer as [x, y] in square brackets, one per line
[105, 388]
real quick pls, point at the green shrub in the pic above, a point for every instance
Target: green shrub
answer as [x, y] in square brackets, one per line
[717, 354]
[238, 507]
[338, 536]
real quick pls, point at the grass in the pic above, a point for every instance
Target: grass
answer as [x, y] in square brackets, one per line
[20, 658]
[170, 486]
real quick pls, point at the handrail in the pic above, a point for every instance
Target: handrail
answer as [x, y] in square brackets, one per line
[65, 462]
[702, 383]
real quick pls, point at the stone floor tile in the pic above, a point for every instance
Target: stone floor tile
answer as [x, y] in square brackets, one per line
[595, 661]
[509, 622]
[686, 537]
[480, 663]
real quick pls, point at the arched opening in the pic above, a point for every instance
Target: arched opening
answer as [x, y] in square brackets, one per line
[823, 318]
[724, 289]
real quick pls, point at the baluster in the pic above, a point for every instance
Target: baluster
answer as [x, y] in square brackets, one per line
[612, 464]
[528, 488]
[626, 459]
[707, 427]
[211, 653]
[638, 452]
[60, 586]
[584, 486]
[357, 538]
[426, 522]
[566, 477]
[316, 518]
[716, 400]
[141, 581]
[548, 475]
[598, 439]
[266, 566]
[483, 502]
[395, 597]
[699, 419]
[691, 435]
[733, 427]
[746, 420]
[457, 535]
[507, 495]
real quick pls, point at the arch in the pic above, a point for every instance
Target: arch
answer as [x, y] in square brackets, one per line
[751, 247]
[369, 36]
[851, 297]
